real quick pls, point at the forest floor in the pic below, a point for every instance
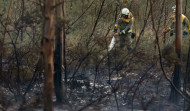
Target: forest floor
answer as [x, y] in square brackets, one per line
[147, 90]
[140, 88]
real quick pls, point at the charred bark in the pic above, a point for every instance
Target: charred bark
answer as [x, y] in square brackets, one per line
[175, 96]
[59, 56]
[47, 51]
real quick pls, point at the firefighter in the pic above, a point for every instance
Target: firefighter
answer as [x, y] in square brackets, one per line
[125, 23]
[171, 27]
[172, 24]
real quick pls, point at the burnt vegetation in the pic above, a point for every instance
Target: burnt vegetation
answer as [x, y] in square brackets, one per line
[60, 51]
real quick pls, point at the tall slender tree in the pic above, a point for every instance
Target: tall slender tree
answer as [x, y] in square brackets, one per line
[47, 51]
[64, 42]
[174, 96]
[59, 53]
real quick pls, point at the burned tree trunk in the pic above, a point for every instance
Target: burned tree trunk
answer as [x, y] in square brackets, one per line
[59, 53]
[174, 96]
[47, 51]
[64, 43]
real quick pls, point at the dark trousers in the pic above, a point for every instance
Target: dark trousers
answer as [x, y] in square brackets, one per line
[125, 40]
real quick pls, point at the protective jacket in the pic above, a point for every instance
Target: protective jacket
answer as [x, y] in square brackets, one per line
[172, 25]
[124, 25]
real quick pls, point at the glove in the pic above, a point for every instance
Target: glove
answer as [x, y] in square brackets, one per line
[133, 35]
[129, 31]
[185, 33]
[171, 32]
[122, 32]
[115, 30]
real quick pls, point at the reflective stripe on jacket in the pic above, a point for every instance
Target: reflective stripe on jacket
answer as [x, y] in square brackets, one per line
[185, 22]
[124, 25]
